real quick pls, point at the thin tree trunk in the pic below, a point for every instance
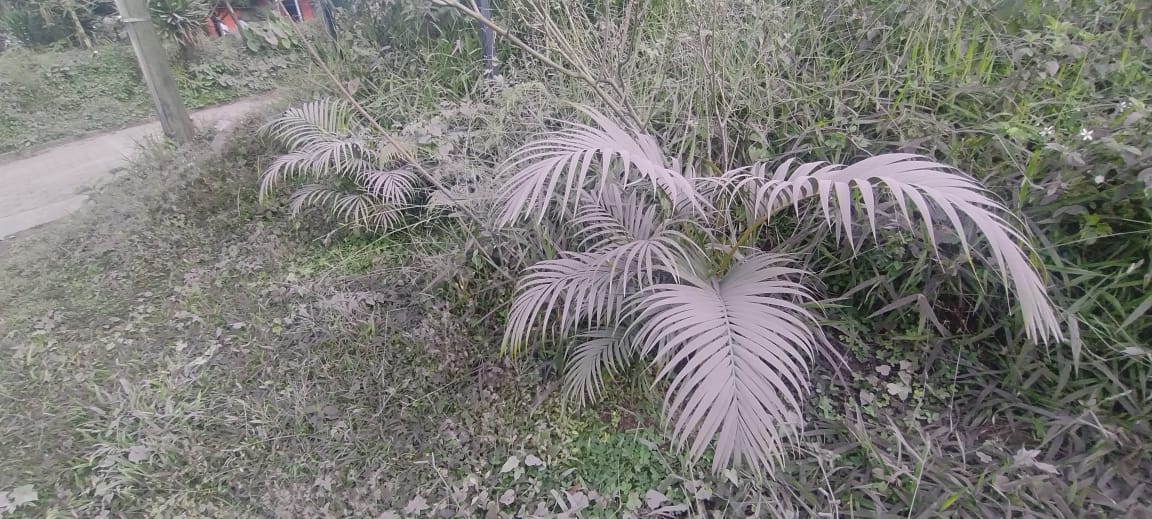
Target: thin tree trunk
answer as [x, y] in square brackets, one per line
[81, 34]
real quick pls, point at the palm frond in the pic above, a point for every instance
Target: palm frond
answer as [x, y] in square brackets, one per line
[358, 208]
[551, 173]
[320, 120]
[315, 163]
[736, 351]
[577, 285]
[932, 188]
[394, 187]
[313, 195]
[632, 234]
[328, 145]
[600, 350]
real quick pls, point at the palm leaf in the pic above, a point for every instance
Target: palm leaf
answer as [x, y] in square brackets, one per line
[322, 139]
[933, 189]
[553, 171]
[312, 163]
[599, 351]
[320, 120]
[736, 352]
[313, 195]
[632, 234]
[577, 285]
[326, 143]
[394, 187]
[358, 208]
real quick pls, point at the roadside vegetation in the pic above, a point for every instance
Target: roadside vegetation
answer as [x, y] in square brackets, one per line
[52, 87]
[418, 293]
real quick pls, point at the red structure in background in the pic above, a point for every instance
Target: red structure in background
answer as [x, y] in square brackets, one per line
[299, 10]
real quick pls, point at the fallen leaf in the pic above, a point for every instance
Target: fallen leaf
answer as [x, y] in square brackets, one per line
[510, 465]
[1135, 351]
[732, 476]
[416, 505]
[633, 502]
[577, 501]
[533, 461]
[899, 390]
[23, 494]
[884, 370]
[138, 453]
[1046, 467]
[508, 497]
[654, 499]
[670, 511]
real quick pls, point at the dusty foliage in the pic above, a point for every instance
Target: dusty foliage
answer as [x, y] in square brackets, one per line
[355, 174]
[660, 267]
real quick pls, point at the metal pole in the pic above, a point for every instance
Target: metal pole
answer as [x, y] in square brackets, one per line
[487, 40]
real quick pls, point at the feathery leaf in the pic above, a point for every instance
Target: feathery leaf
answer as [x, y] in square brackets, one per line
[551, 173]
[736, 352]
[600, 351]
[933, 189]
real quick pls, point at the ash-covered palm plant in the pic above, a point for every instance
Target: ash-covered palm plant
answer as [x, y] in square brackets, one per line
[662, 271]
[352, 173]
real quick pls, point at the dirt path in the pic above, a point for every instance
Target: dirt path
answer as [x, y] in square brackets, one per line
[52, 184]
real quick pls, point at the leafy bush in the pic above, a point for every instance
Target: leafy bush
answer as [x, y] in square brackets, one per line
[30, 28]
[181, 21]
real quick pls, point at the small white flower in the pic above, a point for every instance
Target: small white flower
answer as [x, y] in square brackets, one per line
[1048, 131]
[1099, 179]
[1085, 134]
[1124, 105]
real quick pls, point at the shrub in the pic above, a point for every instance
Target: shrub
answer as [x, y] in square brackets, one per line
[662, 267]
[356, 178]
[181, 21]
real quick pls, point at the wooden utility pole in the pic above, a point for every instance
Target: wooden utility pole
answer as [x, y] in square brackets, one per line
[154, 66]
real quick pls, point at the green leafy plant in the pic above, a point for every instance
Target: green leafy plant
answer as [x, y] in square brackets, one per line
[353, 171]
[181, 21]
[662, 268]
[275, 33]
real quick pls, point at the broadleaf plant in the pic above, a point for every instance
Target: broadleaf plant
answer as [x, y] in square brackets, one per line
[729, 327]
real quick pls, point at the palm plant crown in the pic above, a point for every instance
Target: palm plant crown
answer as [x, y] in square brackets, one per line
[652, 276]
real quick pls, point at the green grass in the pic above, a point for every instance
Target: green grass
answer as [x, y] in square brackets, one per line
[52, 95]
[184, 359]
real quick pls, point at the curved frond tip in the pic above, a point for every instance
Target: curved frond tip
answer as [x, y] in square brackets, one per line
[578, 286]
[550, 173]
[924, 192]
